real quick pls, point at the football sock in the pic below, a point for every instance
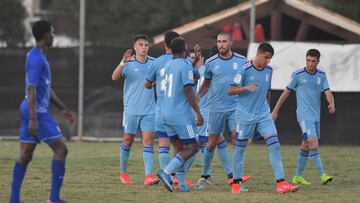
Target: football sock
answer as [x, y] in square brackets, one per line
[148, 157]
[224, 157]
[315, 156]
[124, 157]
[302, 160]
[18, 177]
[58, 172]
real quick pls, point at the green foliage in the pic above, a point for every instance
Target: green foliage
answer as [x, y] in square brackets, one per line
[115, 22]
[92, 176]
[12, 15]
[347, 8]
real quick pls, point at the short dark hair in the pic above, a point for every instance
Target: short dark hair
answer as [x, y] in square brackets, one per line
[168, 36]
[178, 45]
[266, 47]
[314, 53]
[225, 33]
[40, 28]
[141, 36]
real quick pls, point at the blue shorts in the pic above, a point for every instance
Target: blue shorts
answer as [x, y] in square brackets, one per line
[310, 129]
[48, 129]
[159, 127]
[265, 127]
[186, 133]
[134, 123]
[218, 120]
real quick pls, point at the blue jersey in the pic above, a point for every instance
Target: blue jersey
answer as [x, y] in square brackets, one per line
[204, 101]
[253, 105]
[137, 99]
[176, 109]
[157, 74]
[221, 72]
[308, 89]
[38, 73]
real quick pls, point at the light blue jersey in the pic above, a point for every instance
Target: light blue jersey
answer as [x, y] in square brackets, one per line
[253, 105]
[221, 72]
[137, 99]
[38, 73]
[157, 74]
[176, 109]
[308, 89]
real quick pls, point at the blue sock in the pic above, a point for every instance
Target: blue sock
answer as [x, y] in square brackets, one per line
[315, 156]
[224, 157]
[174, 164]
[238, 159]
[188, 163]
[275, 156]
[208, 156]
[202, 149]
[302, 160]
[164, 157]
[180, 174]
[124, 157]
[148, 156]
[58, 172]
[18, 177]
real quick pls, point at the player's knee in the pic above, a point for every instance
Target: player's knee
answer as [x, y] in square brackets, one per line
[60, 153]
[312, 144]
[25, 158]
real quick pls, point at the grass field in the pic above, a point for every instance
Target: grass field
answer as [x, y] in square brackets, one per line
[92, 176]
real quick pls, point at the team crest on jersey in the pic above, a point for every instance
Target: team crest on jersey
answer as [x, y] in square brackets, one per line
[237, 78]
[251, 78]
[267, 77]
[216, 67]
[136, 69]
[162, 72]
[318, 81]
[47, 81]
[235, 66]
[191, 75]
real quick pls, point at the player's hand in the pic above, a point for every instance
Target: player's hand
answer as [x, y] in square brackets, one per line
[251, 87]
[199, 120]
[200, 62]
[331, 108]
[33, 127]
[68, 116]
[127, 56]
[197, 53]
[274, 115]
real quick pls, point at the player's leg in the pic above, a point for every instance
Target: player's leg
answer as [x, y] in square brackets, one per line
[314, 154]
[19, 170]
[243, 133]
[147, 128]
[131, 126]
[266, 128]
[164, 142]
[302, 157]
[215, 127]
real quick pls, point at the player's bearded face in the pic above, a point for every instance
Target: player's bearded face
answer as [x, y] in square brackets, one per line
[311, 62]
[223, 44]
[141, 47]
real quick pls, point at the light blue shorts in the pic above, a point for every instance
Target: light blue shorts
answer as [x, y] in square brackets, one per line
[265, 127]
[310, 129]
[134, 123]
[159, 127]
[203, 130]
[218, 120]
[186, 133]
[48, 129]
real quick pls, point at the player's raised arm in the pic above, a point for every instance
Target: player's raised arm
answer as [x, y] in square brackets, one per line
[117, 72]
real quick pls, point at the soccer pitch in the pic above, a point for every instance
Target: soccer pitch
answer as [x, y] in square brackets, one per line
[92, 176]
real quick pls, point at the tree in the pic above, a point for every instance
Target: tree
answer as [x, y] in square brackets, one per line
[115, 22]
[12, 16]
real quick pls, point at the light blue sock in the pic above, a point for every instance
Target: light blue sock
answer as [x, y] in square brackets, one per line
[302, 160]
[180, 174]
[148, 156]
[174, 164]
[275, 156]
[208, 156]
[18, 177]
[164, 157]
[315, 156]
[58, 172]
[124, 157]
[238, 159]
[202, 149]
[188, 163]
[224, 157]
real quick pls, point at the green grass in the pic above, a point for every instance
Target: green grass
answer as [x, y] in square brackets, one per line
[92, 176]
